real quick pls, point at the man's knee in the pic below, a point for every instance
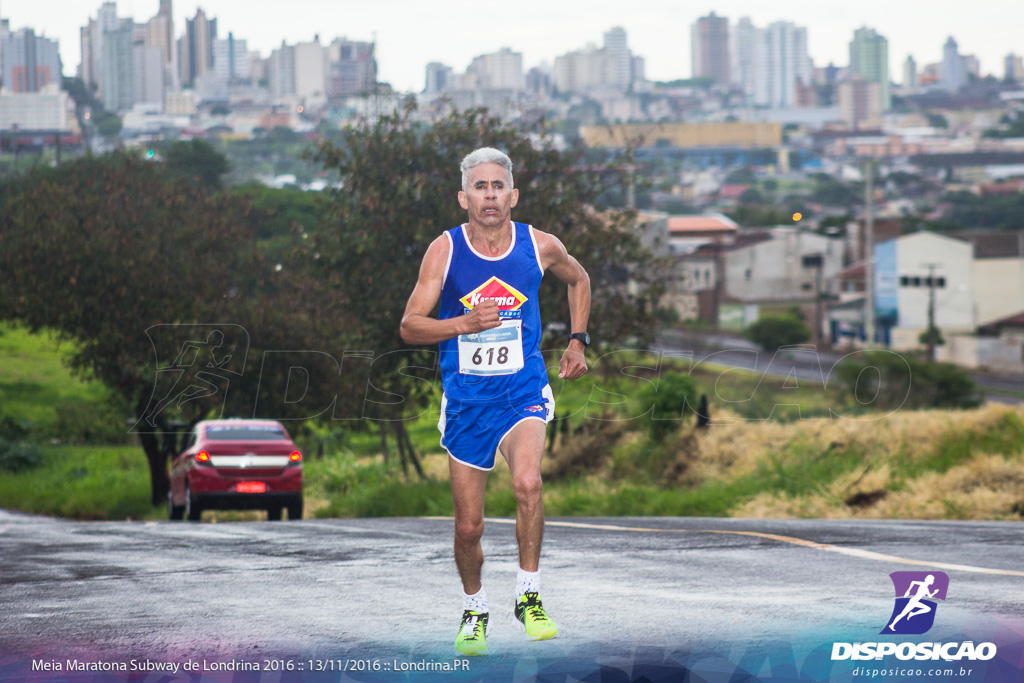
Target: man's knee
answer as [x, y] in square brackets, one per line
[469, 530]
[527, 487]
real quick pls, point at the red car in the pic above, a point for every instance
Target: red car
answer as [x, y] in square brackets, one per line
[237, 465]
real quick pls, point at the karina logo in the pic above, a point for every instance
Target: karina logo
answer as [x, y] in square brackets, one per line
[505, 295]
[916, 593]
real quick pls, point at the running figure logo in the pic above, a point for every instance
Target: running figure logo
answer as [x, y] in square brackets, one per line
[916, 592]
[194, 362]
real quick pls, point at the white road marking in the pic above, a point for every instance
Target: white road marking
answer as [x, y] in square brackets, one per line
[853, 552]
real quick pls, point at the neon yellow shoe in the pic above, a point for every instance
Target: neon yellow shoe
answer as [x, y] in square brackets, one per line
[472, 638]
[531, 617]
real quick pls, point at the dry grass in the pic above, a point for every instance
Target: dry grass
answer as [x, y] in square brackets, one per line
[985, 486]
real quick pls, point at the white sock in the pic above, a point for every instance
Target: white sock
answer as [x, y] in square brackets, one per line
[476, 602]
[527, 582]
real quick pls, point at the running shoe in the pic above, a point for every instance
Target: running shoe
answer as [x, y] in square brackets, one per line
[531, 617]
[472, 638]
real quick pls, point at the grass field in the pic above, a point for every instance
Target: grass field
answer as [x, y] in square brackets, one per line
[772, 451]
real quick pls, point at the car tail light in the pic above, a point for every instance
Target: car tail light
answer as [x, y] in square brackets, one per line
[202, 457]
[295, 457]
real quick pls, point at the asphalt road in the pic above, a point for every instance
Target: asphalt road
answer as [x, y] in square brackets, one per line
[655, 598]
[805, 365]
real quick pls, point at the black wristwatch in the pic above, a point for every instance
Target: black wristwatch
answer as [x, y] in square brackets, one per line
[581, 336]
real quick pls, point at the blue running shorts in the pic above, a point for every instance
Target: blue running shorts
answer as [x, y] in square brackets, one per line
[472, 433]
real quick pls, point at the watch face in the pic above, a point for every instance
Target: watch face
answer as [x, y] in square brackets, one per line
[582, 336]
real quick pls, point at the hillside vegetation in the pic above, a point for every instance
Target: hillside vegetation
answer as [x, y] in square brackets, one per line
[606, 459]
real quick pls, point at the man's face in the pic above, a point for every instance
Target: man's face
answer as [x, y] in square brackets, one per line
[488, 197]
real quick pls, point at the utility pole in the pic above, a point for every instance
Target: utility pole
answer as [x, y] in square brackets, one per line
[931, 310]
[869, 251]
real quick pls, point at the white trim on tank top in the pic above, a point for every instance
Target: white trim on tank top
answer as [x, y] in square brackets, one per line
[465, 236]
[448, 265]
[536, 249]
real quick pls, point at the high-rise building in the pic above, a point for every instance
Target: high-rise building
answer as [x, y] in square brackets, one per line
[618, 57]
[860, 102]
[638, 69]
[779, 61]
[118, 75]
[311, 71]
[29, 62]
[580, 70]
[281, 72]
[5, 31]
[166, 23]
[538, 81]
[952, 74]
[352, 68]
[259, 68]
[501, 70]
[439, 78]
[741, 47]
[150, 74]
[195, 48]
[90, 69]
[709, 41]
[972, 66]
[869, 59]
[611, 67]
[231, 59]
[909, 73]
[1014, 68]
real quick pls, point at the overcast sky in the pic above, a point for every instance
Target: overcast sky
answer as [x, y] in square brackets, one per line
[410, 33]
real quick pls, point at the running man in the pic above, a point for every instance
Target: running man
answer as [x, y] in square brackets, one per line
[486, 274]
[914, 606]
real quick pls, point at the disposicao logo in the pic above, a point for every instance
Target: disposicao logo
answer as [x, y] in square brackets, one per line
[505, 295]
[916, 593]
[913, 614]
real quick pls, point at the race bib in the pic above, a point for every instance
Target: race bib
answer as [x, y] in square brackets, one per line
[497, 351]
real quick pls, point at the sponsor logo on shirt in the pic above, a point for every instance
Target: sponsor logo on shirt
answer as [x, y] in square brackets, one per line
[505, 295]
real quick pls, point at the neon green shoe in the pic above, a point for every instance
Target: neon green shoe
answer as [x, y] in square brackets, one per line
[472, 638]
[531, 617]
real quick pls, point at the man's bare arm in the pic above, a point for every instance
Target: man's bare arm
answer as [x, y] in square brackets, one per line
[555, 258]
[417, 325]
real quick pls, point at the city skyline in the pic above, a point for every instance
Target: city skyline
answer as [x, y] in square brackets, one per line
[460, 31]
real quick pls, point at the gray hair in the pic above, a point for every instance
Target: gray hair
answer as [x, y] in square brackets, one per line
[485, 155]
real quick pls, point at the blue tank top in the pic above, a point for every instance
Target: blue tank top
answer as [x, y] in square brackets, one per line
[502, 364]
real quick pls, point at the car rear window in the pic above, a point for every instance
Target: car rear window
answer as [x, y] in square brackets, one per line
[247, 433]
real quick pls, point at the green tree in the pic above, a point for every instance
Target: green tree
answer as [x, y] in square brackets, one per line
[108, 125]
[400, 185]
[198, 162]
[772, 331]
[672, 398]
[889, 381]
[105, 250]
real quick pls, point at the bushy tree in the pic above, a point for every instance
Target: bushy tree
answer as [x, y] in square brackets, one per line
[889, 381]
[672, 399]
[774, 330]
[104, 249]
[198, 162]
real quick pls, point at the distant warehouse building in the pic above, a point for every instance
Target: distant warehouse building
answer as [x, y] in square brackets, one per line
[739, 135]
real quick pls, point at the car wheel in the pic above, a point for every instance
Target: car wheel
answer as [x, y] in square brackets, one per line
[174, 511]
[193, 510]
[295, 508]
[274, 513]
